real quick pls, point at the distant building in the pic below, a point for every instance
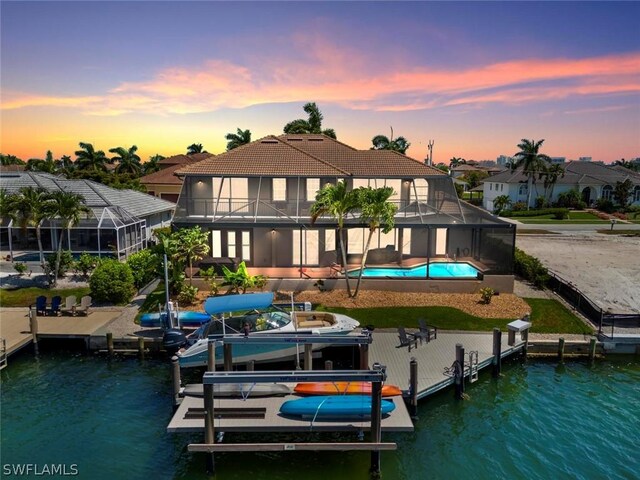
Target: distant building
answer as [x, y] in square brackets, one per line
[585, 159]
[163, 183]
[558, 159]
[503, 160]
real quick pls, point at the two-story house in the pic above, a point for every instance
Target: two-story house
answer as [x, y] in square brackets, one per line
[255, 201]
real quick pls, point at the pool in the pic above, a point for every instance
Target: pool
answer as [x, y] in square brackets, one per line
[436, 270]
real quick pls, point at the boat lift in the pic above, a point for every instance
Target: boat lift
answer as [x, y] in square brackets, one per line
[377, 376]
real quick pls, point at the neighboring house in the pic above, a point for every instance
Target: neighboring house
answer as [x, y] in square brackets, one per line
[592, 180]
[120, 222]
[255, 201]
[163, 183]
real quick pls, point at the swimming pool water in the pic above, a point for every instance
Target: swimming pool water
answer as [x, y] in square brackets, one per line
[436, 270]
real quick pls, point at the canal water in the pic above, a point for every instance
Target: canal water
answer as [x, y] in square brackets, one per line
[106, 418]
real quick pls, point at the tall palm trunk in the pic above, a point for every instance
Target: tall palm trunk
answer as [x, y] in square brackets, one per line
[40, 249]
[58, 258]
[344, 260]
[363, 261]
[529, 188]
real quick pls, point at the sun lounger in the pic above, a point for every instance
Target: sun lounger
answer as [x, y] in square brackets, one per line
[69, 307]
[406, 339]
[426, 332]
[41, 305]
[85, 304]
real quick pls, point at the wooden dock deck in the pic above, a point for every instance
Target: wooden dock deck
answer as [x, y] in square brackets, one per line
[15, 329]
[433, 357]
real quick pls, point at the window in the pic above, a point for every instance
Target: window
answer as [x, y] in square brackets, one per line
[360, 182]
[355, 240]
[313, 185]
[279, 189]
[636, 194]
[441, 241]
[394, 183]
[231, 243]
[406, 239]
[216, 243]
[607, 192]
[246, 245]
[421, 189]
[237, 188]
[522, 190]
[490, 186]
[501, 187]
[497, 185]
[309, 255]
[329, 240]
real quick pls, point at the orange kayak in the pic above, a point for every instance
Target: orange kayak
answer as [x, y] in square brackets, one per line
[343, 388]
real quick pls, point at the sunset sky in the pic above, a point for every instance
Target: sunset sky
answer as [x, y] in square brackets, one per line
[473, 77]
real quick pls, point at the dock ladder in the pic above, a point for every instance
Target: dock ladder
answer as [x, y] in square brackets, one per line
[473, 366]
[3, 353]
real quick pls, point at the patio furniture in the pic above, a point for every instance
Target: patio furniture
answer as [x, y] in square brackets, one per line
[41, 305]
[54, 309]
[406, 339]
[69, 306]
[85, 303]
[427, 331]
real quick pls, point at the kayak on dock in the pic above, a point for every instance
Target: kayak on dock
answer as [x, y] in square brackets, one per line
[344, 388]
[334, 406]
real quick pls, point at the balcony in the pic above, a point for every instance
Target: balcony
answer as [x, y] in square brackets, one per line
[245, 210]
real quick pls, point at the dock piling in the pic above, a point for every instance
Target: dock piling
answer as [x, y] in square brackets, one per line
[209, 433]
[141, 347]
[561, 349]
[211, 356]
[228, 357]
[592, 349]
[364, 356]
[459, 372]
[328, 365]
[175, 377]
[497, 352]
[413, 387]
[376, 426]
[308, 356]
[33, 326]
[110, 343]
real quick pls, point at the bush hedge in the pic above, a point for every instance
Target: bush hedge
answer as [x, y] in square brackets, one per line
[530, 268]
[144, 267]
[558, 213]
[112, 282]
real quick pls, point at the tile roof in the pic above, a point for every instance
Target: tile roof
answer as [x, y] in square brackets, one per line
[163, 177]
[182, 159]
[95, 194]
[309, 155]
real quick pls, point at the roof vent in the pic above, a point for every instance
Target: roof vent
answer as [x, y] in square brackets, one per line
[269, 141]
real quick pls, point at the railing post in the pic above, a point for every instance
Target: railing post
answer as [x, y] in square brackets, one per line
[175, 377]
[459, 378]
[376, 426]
[228, 357]
[209, 433]
[497, 352]
[592, 349]
[308, 356]
[413, 387]
[211, 356]
[561, 349]
[364, 356]
[33, 326]
[110, 343]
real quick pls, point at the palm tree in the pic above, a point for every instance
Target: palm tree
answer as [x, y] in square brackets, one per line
[152, 165]
[195, 148]
[236, 139]
[7, 206]
[376, 210]
[128, 160]
[455, 161]
[312, 125]
[10, 160]
[531, 161]
[381, 142]
[90, 159]
[68, 207]
[47, 165]
[551, 175]
[32, 205]
[635, 166]
[500, 203]
[337, 202]
[64, 165]
[191, 244]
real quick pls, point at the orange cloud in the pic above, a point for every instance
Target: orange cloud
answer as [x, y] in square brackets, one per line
[332, 73]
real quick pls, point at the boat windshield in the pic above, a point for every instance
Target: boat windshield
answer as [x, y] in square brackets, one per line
[257, 321]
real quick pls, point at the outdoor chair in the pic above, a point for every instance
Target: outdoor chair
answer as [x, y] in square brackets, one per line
[427, 331]
[406, 339]
[69, 305]
[85, 303]
[41, 305]
[54, 309]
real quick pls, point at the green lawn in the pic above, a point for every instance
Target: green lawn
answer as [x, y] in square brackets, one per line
[548, 316]
[23, 297]
[535, 231]
[575, 217]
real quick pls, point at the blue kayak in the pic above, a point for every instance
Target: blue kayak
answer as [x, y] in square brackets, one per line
[185, 318]
[334, 406]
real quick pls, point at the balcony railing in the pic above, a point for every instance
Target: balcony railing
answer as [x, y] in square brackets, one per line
[252, 210]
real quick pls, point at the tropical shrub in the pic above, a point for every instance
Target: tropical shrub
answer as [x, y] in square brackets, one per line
[486, 294]
[540, 202]
[501, 204]
[530, 268]
[144, 267]
[209, 275]
[188, 294]
[561, 214]
[240, 280]
[557, 212]
[85, 264]
[112, 282]
[605, 205]
[66, 262]
[20, 267]
[519, 206]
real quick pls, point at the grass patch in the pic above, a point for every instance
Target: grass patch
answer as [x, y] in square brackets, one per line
[535, 231]
[551, 316]
[23, 297]
[626, 233]
[575, 217]
[548, 316]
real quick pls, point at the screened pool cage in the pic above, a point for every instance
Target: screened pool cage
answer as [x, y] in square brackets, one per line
[104, 231]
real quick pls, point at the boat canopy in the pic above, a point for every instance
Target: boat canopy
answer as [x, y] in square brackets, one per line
[233, 303]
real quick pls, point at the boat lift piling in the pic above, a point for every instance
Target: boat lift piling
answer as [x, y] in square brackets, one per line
[376, 376]
[33, 326]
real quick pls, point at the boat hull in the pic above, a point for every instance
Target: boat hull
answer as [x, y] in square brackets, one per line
[344, 388]
[185, 319]
[334, 406]
[239, 390]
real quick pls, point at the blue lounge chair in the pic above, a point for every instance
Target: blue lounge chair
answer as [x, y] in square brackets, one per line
[54, 309]
[41, 305]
